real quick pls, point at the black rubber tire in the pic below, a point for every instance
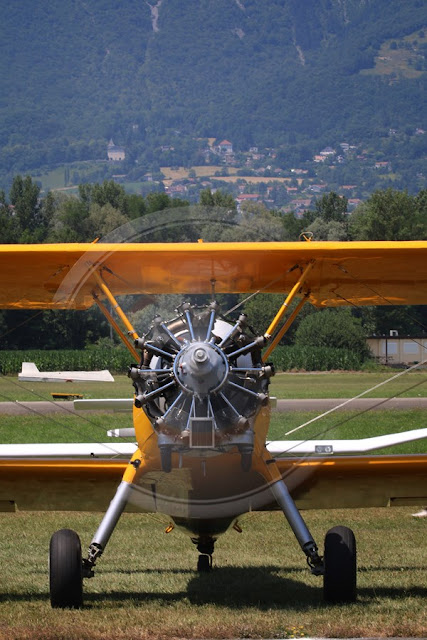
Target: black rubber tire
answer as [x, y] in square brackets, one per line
[65, 570]
[204, 563]
[339, 580]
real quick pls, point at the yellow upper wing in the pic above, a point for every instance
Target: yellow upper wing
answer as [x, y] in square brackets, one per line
[361, 273]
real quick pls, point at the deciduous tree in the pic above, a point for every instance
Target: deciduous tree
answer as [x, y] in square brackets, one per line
[332, 328]
[24, 196]
[390, 215]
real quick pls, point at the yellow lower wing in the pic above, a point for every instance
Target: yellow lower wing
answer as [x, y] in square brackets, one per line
[326, 483]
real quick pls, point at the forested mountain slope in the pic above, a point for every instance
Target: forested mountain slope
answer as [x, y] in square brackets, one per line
[76, 73]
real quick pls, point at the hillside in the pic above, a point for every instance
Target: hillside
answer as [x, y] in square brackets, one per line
[76, 74]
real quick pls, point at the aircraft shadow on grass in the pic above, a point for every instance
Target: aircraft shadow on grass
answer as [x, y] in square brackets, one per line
[265, 594]
[237, 587]
[288, 569]
[234, 587]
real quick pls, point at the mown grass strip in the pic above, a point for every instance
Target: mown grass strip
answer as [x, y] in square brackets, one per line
[352, 425]
[147, 587]
[12, 389]
[62, 428]
[340, 384]
[342, 425]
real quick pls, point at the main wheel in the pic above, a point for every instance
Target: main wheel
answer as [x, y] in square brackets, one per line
[339, 580]
[65, 570]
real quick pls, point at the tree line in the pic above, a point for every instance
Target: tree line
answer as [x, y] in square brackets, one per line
[27, 216]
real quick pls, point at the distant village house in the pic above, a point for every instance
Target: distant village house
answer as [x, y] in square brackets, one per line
[382, 165]
[328, 151]
[115, 154]
[225, 147]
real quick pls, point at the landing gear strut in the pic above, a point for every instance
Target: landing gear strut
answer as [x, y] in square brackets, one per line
[204, 563]
[298, 526]
[338, 566]
[166, 458]
[66, 567]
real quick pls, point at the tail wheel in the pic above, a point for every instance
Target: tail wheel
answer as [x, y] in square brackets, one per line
[339, 580]
[65, 570]
[204, 563]
[246, 461]
[166, 458]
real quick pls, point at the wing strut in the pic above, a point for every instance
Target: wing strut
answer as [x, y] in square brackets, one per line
[115, 305]
[284, 328]
[291, 295]
[116, 327]
[120, 313]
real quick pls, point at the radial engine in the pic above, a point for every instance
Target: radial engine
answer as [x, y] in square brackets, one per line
[201, 382]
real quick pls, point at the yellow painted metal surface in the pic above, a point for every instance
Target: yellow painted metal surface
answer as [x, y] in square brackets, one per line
[322, 483]
[357, 481]
[52, 485]
[64, 276]
[363, 273]
[291, 295]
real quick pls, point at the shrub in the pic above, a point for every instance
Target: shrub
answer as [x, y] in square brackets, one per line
[334, 328]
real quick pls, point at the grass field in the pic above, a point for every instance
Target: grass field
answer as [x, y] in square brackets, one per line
[251, 179]
[146, 584]
[147, 587]
[93, 427]
[12, 389]
[55, 179]
[90, 427]
[400, 60]
[202, 171]
[213, 172]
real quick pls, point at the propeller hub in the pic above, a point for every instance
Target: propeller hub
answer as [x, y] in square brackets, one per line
[201, 368]
[200, 356]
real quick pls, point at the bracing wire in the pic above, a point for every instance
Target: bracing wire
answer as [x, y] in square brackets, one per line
[360, 395]
[381, 401]
[401, 373]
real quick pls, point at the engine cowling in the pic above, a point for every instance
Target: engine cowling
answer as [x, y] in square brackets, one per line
[201, 382]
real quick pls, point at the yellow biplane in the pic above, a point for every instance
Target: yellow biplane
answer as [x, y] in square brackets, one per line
[201, 396]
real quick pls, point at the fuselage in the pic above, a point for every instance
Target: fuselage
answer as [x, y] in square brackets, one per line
[206, 490]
